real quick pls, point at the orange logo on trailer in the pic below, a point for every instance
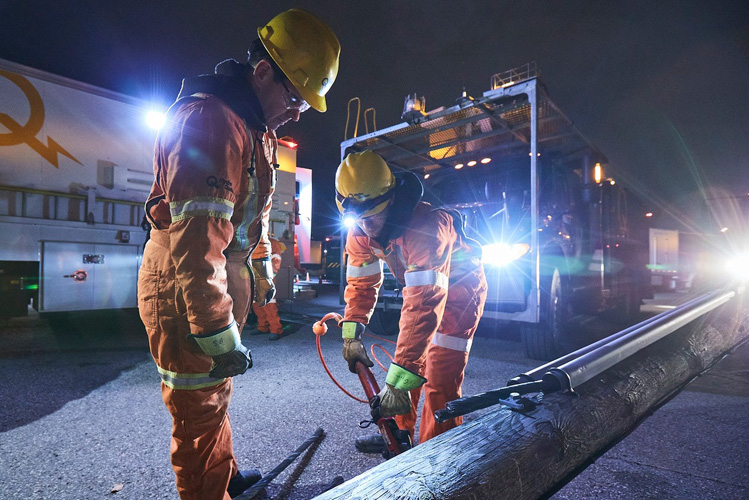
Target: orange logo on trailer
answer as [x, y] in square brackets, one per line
[20, 134]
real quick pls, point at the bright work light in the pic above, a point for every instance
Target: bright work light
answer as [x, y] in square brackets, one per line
[501, 254]
[738, 266]
[155, 120]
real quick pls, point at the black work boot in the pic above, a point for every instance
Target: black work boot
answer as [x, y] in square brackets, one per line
[241, 481]
[371, 444]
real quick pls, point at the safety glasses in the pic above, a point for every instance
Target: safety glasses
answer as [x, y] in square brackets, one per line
[291, 101]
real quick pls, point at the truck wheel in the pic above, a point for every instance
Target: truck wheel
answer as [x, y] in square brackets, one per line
[543, 341]
[384, 322]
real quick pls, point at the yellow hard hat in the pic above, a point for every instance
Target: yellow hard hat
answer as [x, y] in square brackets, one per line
[363, 184]
[307, 52]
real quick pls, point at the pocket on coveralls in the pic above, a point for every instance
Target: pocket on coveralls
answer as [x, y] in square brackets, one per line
[148, 294]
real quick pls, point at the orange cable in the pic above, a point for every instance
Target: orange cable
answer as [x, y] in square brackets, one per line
[319, 328]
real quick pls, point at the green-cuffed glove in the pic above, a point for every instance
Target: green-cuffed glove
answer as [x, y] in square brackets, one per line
[395, 398]
[265, 289]
[353, 349]
[230, 357]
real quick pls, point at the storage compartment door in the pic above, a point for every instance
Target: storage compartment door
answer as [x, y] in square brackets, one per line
[86, 276]
[116, 278]
[67, 282]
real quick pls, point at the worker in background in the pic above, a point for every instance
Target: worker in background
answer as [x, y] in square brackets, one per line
[268, 320]
[214, 169]
[443, 296]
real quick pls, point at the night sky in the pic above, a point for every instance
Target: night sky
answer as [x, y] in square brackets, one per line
[661, 87]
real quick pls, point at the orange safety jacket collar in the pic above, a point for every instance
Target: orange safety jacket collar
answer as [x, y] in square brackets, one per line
[229, 85]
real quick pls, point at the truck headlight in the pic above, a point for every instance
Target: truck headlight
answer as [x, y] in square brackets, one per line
[738, 266]
[501, 254]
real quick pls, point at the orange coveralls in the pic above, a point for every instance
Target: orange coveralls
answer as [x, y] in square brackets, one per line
[443, 300]
[213, 182]
[267, 315]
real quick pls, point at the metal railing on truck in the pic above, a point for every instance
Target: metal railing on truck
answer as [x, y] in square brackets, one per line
[53, 205]
[514, 121]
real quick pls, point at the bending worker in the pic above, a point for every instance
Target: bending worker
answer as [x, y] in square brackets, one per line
[268, 320]
[214, 177]
[443, 298]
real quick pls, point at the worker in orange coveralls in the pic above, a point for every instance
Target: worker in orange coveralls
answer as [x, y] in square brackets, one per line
[268, 320]
[443, 298]
[214, 169]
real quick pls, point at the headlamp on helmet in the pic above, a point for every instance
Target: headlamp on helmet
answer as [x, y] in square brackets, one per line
[364, 185]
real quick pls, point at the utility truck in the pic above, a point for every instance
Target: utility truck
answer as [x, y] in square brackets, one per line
[76, 165]
[75, 169]
[291, 216]
[560, 239]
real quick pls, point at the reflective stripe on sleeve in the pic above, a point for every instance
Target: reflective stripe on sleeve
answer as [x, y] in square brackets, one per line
[187, 381]
[366, 270]
[201, 206]
[452, 343]
[421, 278]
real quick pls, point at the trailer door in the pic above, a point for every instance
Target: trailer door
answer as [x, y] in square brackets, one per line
[87, 276]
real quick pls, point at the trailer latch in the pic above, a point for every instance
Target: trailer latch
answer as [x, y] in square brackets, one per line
[79, 276]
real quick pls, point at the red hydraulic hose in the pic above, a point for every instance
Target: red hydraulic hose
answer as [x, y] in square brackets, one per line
[396, 440]
[320, 329]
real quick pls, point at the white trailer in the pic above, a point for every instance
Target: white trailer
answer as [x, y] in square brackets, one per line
[76, 166]
[75, 169]
[664, 257]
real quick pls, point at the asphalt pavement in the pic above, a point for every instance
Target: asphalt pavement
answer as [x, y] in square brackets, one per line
[82, 418]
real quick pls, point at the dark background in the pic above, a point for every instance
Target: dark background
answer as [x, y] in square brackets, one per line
[662, 88]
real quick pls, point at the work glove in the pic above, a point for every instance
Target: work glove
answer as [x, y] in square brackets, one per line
[230, 357]
[395, 398]
[353, 349]
[265, 289]
[232, 363]
[393, 401]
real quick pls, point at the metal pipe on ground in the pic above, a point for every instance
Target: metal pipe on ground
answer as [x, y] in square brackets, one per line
[571, 370]
[589, 365]
[530, 454]
[538, 372]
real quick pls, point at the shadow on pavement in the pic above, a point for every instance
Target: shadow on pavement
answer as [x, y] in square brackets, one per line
[61, 358]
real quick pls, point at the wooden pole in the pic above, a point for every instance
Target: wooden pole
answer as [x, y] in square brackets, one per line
[506, 454]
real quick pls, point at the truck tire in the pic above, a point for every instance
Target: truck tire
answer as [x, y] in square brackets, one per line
[543, 341]
[384, 322]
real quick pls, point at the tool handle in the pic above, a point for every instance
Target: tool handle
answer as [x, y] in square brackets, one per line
[269, 477]
[463, 406]
[388, 428]
[368, 380]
